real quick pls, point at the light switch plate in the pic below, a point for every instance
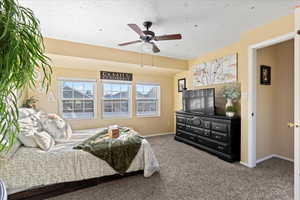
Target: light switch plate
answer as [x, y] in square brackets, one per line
[51, 97]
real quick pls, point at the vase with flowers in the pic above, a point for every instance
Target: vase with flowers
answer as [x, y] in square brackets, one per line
[231, 92]
[230, 111]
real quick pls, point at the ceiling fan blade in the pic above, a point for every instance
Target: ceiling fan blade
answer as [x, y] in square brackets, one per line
[168, 37]
[132, 42]
[155, 49]
[137, 29]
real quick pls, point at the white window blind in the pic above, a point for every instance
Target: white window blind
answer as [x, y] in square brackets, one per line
[147, 99]
[77, 99]
[116, 99]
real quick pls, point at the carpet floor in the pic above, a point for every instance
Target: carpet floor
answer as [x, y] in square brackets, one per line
[191, 174]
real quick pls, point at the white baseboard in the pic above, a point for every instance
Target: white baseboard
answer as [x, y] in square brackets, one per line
[159, 134]
[284, 158]
[265, 158]
[245, 164]
[274, 156]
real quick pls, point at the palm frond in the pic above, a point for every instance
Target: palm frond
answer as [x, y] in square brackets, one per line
[21, 52]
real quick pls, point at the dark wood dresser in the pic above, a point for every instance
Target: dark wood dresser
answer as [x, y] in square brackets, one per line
[218, 135]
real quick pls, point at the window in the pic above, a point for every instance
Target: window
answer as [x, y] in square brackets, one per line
[77, 99]
[116, 99]
[147, 99]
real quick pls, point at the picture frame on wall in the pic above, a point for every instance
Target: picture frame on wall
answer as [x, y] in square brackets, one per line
[265, 75]
[181, 84]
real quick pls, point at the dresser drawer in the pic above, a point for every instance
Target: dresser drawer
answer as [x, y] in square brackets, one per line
[219, 127]
[180, 119]
[181, 126]
[202, 141]
[222, 148]
[223, 137]
[187, 136]
[196, 130]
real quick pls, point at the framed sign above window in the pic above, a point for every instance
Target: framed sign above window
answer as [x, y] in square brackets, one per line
[118, 76]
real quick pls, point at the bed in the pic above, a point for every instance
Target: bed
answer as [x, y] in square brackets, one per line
[32, 167]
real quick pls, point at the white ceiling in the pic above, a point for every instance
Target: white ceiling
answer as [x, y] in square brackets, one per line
[204, 24]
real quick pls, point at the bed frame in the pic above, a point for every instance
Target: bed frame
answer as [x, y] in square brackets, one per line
[62, 188]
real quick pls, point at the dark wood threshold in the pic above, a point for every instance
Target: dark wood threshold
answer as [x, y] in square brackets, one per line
[62, 188]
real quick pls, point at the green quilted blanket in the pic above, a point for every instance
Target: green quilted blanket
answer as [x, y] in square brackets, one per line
[117, 152]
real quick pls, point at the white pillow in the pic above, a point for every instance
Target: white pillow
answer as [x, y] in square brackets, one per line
[26, 112]
[37, 139]
[57, 128]
[27, 130]
[27, 137]
[31, 135]
[44, 140]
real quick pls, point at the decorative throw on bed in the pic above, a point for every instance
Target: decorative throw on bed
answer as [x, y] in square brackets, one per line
[117, 152]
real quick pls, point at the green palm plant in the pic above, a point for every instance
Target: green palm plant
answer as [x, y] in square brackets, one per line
[21, 56]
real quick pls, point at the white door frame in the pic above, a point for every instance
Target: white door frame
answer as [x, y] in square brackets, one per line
[252, 104]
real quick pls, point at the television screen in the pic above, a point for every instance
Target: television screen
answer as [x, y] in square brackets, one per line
[200, 101]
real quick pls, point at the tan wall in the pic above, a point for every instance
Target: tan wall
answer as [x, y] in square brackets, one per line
[220, 102]
[274, 29]
[275, 101]
[73, 49]
[145, 125]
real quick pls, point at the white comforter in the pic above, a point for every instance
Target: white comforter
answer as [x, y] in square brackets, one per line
[32, 167]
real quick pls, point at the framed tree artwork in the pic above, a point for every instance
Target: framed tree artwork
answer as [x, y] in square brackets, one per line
[218, 71]
[181, 84]
[265, 75]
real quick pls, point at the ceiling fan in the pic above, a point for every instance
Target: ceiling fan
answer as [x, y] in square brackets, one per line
[148, 36]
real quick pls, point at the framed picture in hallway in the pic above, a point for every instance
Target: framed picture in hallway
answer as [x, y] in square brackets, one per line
[181, 84]
[265, 75]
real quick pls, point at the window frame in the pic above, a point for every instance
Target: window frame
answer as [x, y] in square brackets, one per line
[130, 99]
[60, 96]
[158, 99]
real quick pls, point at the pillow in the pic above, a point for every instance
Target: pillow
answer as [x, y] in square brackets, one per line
[31, 134]
[26, 112]
[27, 138]
[28, 128]
[57, 128]
[44, 140]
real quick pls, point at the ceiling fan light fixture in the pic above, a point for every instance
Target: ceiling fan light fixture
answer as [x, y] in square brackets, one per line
[148, 37]
[147, 47]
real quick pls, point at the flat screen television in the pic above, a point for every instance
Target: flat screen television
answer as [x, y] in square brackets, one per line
[199, 101]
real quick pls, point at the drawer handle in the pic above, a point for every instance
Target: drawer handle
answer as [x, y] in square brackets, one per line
[221, 148]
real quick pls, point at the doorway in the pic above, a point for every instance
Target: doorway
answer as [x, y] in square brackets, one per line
[252, 104]
[275, 101]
